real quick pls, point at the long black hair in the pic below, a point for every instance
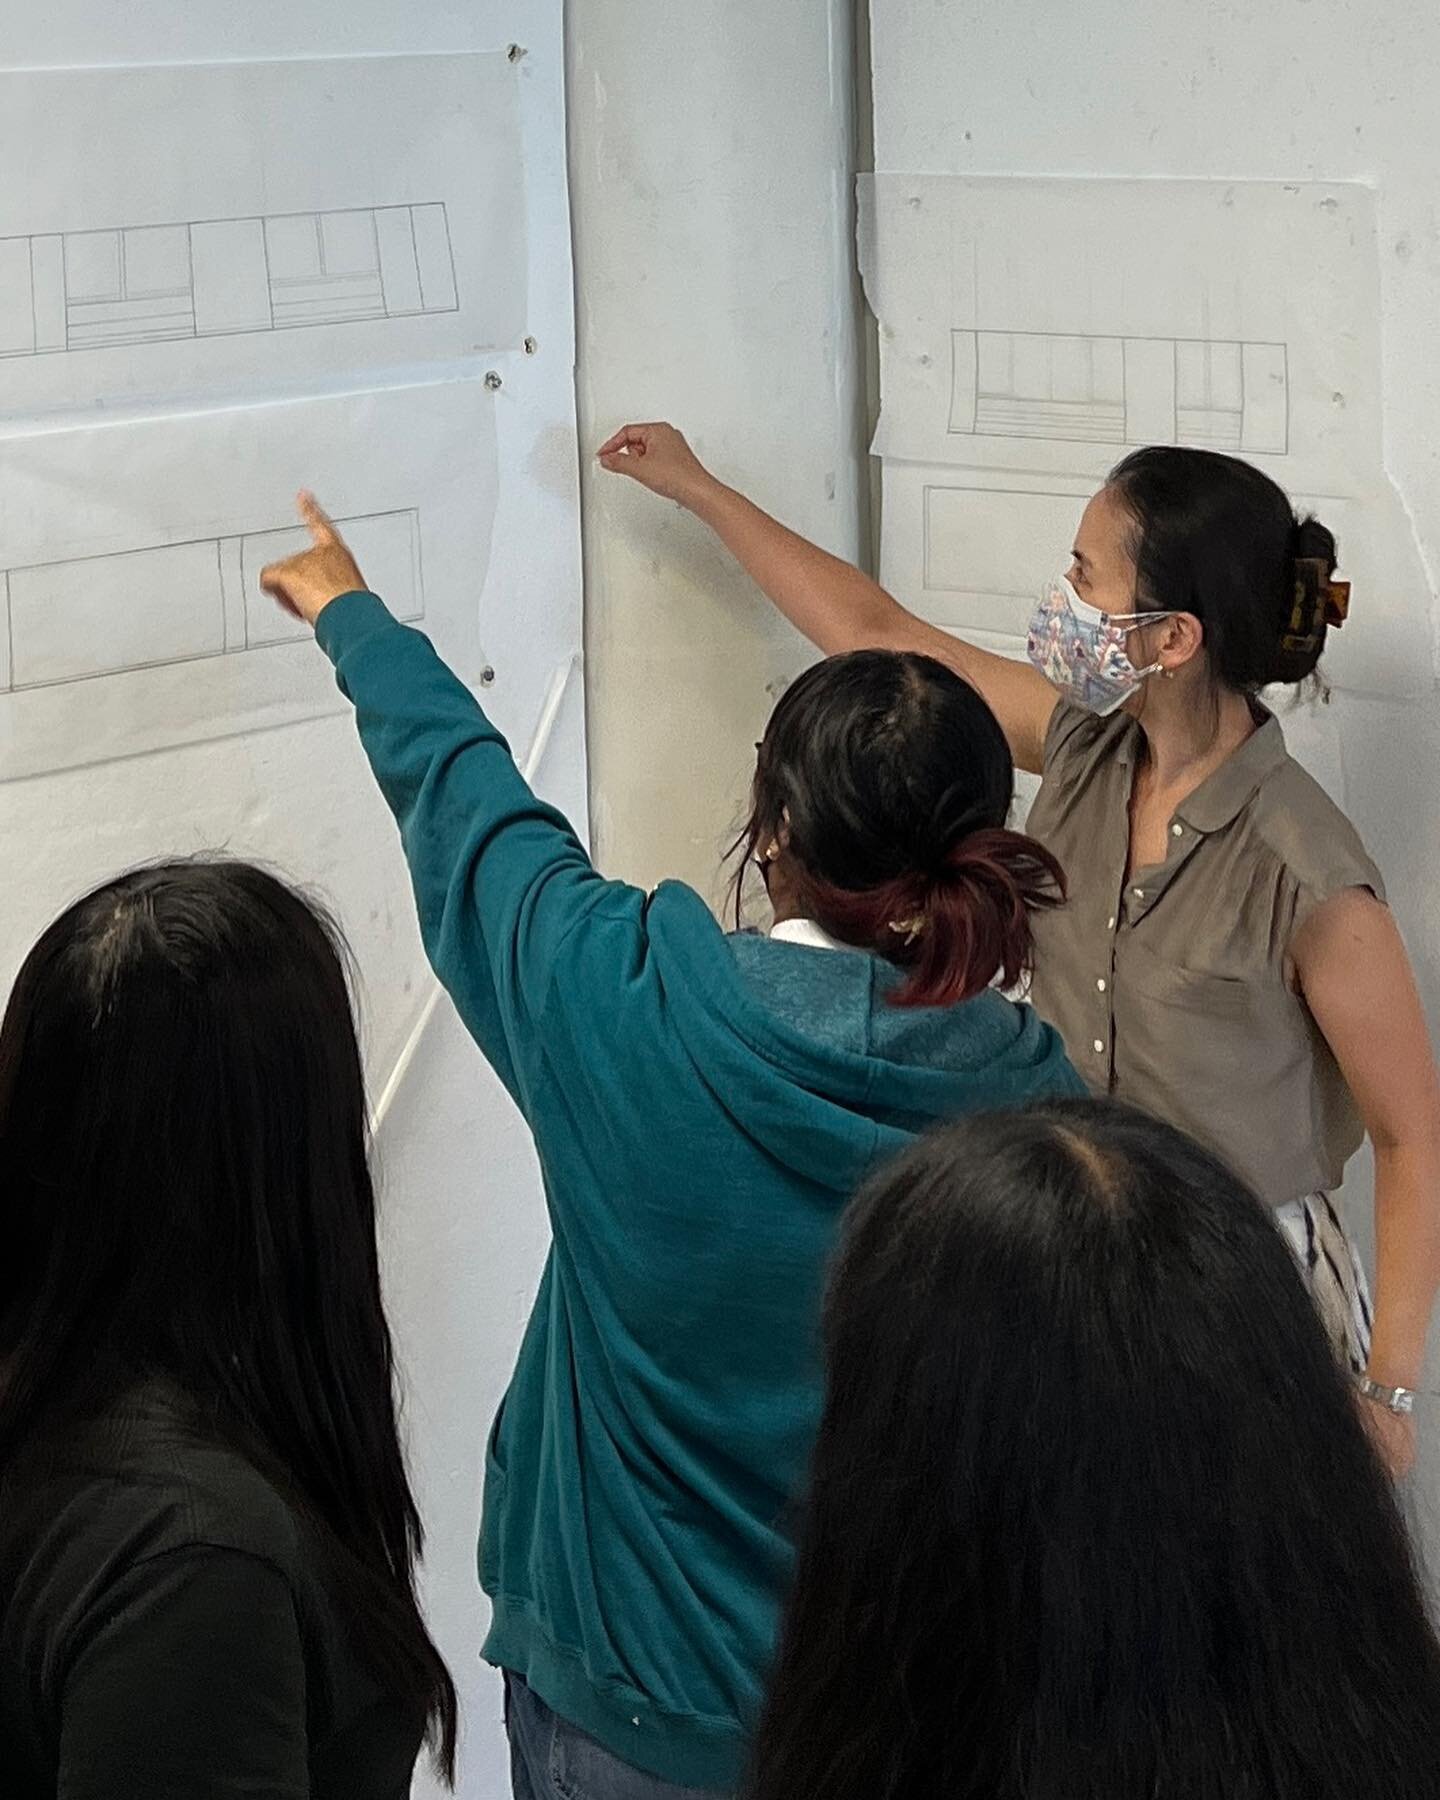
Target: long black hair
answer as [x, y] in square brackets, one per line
[889, 781]
[1217, 538]
[1093, 1513]
[185, 1195]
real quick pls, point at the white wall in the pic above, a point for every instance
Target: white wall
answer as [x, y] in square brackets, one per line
[710, 158]
[1256, 89]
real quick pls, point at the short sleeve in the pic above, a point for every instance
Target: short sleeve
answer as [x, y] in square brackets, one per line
[1324, 855]
[1312, 894]
[187, 1682]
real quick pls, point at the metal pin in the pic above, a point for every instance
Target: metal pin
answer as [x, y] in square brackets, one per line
[515, 52]
[531, 346]
[487, 676]
[492, 380]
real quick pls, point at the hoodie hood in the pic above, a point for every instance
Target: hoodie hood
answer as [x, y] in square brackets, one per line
[813, 1062]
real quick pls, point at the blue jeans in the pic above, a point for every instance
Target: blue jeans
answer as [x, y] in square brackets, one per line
[550, 1760]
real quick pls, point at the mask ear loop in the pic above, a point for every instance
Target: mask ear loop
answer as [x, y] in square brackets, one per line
[1139, 623]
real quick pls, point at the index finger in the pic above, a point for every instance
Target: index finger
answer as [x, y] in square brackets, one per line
[321, 527]
[628, 436]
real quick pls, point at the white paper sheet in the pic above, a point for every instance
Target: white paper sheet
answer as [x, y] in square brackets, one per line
[1031, 331]
[970, 550]
[1053, 324]
[130, 613]
[190, 229]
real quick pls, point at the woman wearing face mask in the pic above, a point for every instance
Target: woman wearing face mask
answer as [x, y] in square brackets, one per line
[1226, 960]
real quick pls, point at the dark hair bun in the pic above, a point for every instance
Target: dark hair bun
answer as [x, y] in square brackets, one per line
[1300, 639]
[1314, 542]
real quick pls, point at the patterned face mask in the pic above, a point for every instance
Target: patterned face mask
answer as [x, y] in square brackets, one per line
[1081, 650]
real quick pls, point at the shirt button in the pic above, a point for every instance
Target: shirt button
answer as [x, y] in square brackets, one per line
[1099, 1046]
[1177, 831]
[1110, 923]
[1139, 893]
[1101, 984]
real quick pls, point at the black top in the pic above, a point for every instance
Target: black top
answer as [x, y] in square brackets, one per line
[165, 1632]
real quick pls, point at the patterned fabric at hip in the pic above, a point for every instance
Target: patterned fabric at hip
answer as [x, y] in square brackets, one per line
[1333, 1271]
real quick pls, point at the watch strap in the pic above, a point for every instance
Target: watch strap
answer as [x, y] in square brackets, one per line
[1398, 1400]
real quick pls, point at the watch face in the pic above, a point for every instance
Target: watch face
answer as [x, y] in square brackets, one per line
[1398, 1400]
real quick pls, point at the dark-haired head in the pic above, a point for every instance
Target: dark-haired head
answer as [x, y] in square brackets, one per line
[879, 810]
[1093, 1514]
[186, 1196]
[1211, 540]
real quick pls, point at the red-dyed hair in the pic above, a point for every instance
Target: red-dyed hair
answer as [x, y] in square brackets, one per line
[953, 931]
[889, 781]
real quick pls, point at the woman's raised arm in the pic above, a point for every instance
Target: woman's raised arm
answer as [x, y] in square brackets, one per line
[834, 604]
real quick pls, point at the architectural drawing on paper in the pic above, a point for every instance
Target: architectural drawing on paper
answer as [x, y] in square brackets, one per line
[984, 542]
[141, 284]
[985, 552]
[92, 616]
[1090, 389]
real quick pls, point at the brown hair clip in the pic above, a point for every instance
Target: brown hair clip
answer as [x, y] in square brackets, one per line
[1337, 603]
[1320, 601]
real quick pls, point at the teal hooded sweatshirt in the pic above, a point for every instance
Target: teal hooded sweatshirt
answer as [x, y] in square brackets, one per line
[703, 1107]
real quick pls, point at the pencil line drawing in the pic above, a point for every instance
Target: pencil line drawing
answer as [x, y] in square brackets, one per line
[92, 616]
[1092, 389]
[975, 538]
[984, 552]
[145, 284]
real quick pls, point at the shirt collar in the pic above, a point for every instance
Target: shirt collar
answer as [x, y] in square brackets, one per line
[806, 932]
[1227, 791]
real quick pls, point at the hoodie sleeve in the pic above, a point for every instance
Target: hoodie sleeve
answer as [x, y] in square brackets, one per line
[500, 878]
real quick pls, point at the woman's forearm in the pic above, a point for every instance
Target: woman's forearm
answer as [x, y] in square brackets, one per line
[834, 604]
[840, 608]
[1407, 1256]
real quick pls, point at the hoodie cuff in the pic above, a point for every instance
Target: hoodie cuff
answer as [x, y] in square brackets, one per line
[349, 620]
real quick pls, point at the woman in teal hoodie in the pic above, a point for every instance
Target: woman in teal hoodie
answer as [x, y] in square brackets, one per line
[703, 1105]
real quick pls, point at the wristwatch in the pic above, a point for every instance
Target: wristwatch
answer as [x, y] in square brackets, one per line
[1396, 1400]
